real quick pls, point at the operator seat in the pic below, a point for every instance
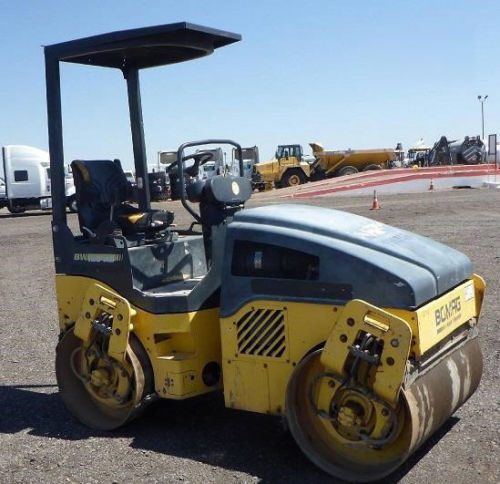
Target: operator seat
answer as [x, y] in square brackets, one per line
[102, 190]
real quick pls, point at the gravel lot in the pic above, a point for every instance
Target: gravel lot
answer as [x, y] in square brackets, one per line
[199, 440]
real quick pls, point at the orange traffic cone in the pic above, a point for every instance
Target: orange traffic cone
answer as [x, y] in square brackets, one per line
[431, 186]
[375, 204]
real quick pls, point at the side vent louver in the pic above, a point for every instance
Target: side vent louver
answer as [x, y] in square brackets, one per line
[261, 332]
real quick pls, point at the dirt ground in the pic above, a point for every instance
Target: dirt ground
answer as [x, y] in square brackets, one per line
[200, 440]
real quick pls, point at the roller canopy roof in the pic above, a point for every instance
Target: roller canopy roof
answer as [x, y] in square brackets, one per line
[143, 47]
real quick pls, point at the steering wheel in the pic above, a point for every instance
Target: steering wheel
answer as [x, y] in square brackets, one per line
[200, 158]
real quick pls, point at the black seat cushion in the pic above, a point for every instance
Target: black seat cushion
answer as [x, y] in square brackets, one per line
[133, 221]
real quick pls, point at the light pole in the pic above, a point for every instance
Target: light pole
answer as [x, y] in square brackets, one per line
[481, 100]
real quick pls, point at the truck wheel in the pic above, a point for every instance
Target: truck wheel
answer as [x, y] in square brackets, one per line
[373, 166]
[72, 205]
[16, 209]
[293, 178]
[347, 170]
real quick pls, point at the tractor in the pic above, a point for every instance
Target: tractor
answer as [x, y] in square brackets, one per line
[362, 336]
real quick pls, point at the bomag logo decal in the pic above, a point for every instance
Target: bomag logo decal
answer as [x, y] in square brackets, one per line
[98, 258]
[448, 314]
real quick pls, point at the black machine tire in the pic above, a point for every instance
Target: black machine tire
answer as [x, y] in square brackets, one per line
[74, 390]
[16, 209]
[347, 170]
[292, 178]
[71, 204]
[371, 167]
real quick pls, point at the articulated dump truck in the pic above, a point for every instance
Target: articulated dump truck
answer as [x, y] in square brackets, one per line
[361, 336]
[289, 166]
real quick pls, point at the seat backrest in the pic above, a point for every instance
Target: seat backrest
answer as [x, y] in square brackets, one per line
[100, 186]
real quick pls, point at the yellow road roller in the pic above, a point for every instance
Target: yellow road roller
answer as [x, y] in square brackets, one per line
[362, 336]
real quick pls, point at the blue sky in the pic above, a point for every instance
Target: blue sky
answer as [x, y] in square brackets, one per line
[355, 74]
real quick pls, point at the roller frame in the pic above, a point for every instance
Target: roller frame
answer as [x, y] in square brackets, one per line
[360, 316]
[98, 300]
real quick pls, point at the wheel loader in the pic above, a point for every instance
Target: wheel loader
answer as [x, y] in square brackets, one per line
[363, 337]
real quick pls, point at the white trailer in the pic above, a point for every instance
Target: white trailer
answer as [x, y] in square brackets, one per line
[27, 180]
[3, 196]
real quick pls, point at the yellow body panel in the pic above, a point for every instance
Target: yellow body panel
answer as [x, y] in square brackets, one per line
[305, 326]
[308, 326]
[179, 345]
[259, 346]
[444, 315]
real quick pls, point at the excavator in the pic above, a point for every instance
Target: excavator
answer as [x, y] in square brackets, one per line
[469, 150]
[362, 336]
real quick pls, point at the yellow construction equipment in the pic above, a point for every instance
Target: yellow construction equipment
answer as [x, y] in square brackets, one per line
[289, 166]
[348, 162]
[361, 335]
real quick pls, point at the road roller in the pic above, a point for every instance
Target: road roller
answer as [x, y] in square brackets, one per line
[362, 336]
